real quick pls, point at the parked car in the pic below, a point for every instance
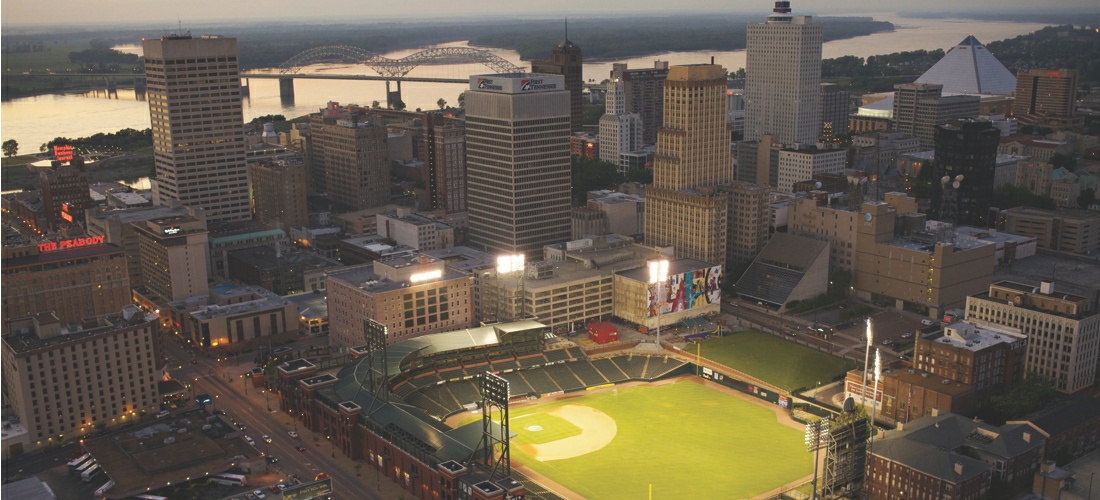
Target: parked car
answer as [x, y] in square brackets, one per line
[259, 494]
[292, 434]
[907, 335]
[887, 342]
[927, 322]
[249, 440]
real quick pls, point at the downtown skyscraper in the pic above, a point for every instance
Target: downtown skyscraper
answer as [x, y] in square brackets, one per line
[783, 78]
[517, 162]
[194, 93]
[684, 207]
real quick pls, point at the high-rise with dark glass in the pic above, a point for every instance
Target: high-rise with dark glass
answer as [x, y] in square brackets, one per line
[198, 127]
[517, 162]
[566, 60]
[967, 148]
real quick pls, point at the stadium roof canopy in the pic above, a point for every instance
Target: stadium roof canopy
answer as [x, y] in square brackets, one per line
[969, 68]
[780, 268]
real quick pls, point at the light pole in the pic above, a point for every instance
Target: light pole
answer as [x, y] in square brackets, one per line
[866, 360]
[507, 264]
[658, 275]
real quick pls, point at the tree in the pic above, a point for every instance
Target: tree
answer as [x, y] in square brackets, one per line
[1064, 160]
[399, 105]
[442, 103]
[10, 147]
[462, 100]
[375, 104]
[1030, 395]
[588, 175]
[1086, 198]
[640, 175]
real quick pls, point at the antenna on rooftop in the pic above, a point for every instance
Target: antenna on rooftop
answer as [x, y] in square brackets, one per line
[567, 29]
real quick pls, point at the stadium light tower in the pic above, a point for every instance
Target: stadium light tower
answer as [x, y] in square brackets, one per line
[507, 264]
[866, 360]
[658, 275]
[874, 394]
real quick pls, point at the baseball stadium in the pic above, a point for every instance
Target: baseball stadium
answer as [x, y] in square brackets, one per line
[621, 424]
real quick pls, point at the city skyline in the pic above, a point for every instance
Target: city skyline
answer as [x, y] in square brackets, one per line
[122, 12]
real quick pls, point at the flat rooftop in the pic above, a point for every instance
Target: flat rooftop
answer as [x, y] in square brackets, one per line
[364, 278]
[310, 304]
[23, 340]
[463, 258]
[167, 451]
[974, 336]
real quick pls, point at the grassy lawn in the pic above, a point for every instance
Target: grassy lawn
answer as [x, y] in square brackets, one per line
[686, 439]
[539, 428]
[784, 364]
[55, 59]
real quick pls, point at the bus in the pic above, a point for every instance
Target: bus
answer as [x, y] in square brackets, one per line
[78, 461]
[85, 466]
[91, 473]
[229, 479]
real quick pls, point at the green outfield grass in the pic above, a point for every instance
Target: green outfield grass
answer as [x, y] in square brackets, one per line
[553, 429]
[687, 440]
[776, 361]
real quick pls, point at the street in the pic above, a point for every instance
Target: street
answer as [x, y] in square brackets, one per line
[235, 395]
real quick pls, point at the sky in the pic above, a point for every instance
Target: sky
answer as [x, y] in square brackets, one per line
[158, 12]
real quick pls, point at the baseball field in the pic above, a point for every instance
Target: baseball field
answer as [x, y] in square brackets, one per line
[776, 361]
[686, 439]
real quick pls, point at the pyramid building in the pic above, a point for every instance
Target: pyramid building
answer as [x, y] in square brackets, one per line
[969, 68]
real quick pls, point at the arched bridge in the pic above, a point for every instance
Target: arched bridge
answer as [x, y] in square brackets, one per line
[396, 68]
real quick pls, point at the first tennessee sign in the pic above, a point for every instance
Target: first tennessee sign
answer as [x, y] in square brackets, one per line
[53, 246]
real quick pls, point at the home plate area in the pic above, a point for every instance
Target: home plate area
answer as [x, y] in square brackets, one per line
[565, 432]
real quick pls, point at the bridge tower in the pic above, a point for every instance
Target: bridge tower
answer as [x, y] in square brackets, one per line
[393, 97]
[286, 89]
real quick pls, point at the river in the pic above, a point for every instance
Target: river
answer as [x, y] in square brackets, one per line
[35, 120]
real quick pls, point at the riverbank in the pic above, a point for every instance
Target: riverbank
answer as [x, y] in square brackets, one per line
[18, 174]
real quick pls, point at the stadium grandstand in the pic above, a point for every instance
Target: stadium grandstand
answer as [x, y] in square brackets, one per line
[431, 377]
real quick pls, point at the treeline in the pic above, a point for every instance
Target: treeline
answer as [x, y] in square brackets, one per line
[23, 47]
[127, 139]
[1053, 47]
[102, 56]
[896, 64]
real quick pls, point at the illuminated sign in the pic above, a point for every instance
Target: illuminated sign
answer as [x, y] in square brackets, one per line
[172, 230]
[63, 152]
[66, 216]
[53, 246]
[430, 275]
[304, 491]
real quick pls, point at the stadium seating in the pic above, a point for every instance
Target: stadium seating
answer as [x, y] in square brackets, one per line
[425, 381]
[576, 353]
[587, 373]
[443, 398]
[530, 361]
[556, 355]
[632, 366]
[465, 392]
[517, 385]
[420, 400]
[540, 382]
[564, 377]
[505, 364]
[609, 370]
[404, 390]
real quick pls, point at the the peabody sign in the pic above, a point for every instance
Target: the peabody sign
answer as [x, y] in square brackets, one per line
[517, 84]
[53, 246]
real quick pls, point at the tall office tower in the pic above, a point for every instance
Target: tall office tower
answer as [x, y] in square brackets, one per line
[119, 227]
[644, 95]
[517, 162]
[566, 60]
[967, 148]
[198, 128]
[349, 156]
[758, 161]
[919, 107]
[444, 153]
[279, 193]
[683, 207]
[1043, 96]
[620, 132]
[836, 105]
[783, 77]
[174, 258]
[749, 220]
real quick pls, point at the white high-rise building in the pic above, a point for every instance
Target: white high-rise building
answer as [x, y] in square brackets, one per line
[198, 127]
[517, 162]
[796, 165]
[620, 132]
[783, 78]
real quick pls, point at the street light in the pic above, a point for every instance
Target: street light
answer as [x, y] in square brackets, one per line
[658, 275]
[507, 264]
